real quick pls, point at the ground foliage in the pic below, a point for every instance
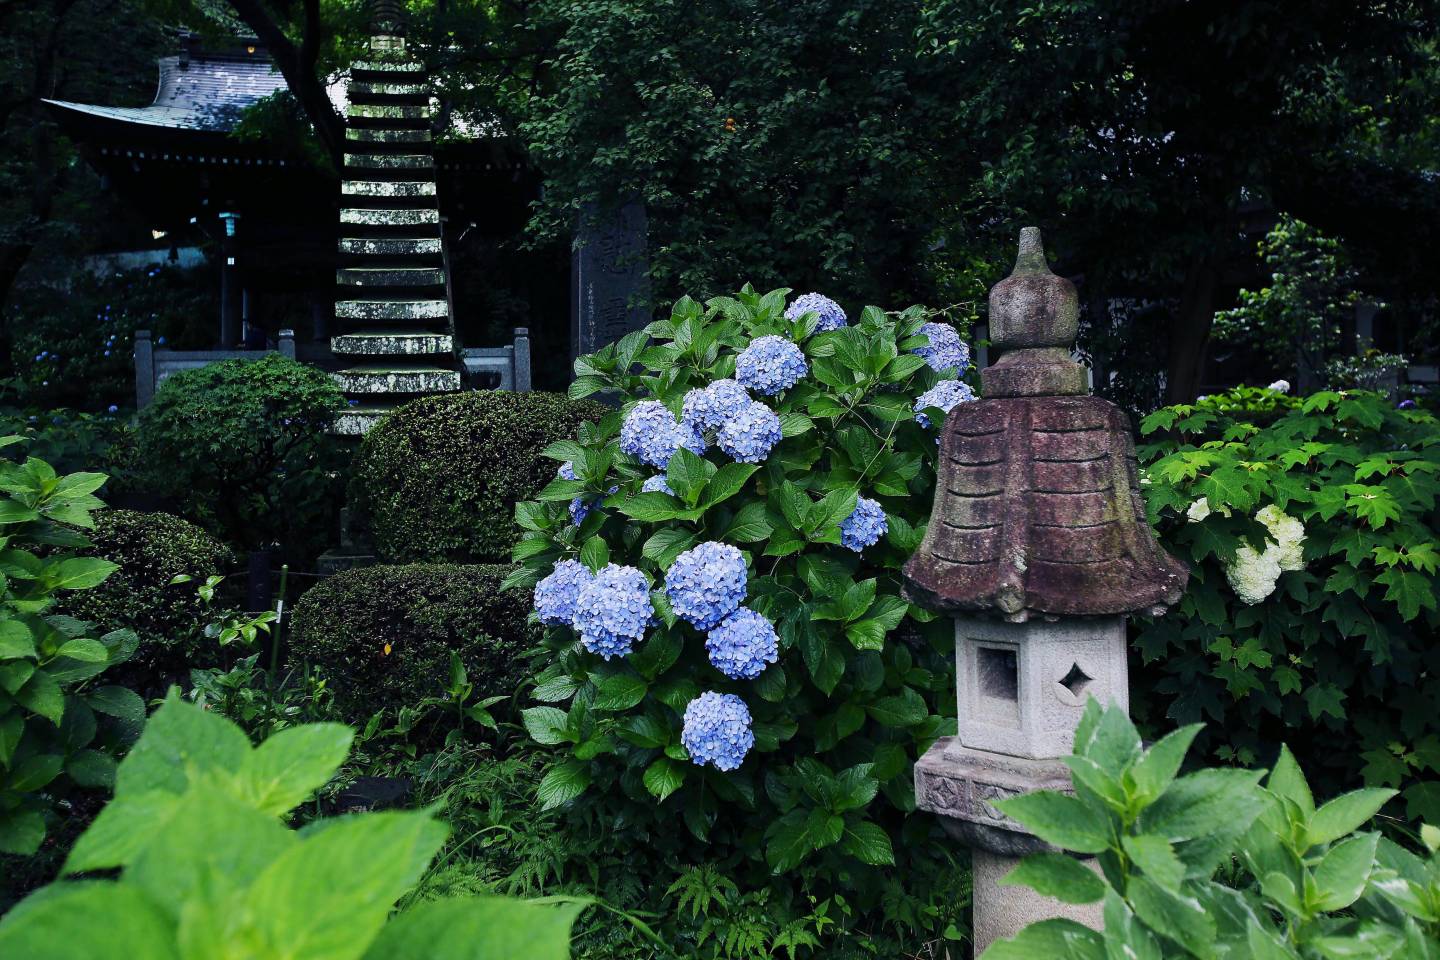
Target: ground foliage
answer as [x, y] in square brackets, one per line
[1339, 660]
[863, 684]
[1309, 886]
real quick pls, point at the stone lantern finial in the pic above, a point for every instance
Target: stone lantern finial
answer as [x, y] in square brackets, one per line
[1034, 317]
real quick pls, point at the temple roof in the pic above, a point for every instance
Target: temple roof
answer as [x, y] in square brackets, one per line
[1037, 507]
[202, 91]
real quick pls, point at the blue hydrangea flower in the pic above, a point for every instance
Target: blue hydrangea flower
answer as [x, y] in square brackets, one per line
[946, 351]
[706, 583]
[750, 435]
[865, 526]
[946, 394]
[566, 471]
[831, 316]
[770, 364]
[555, 596]
[113, 408]
[580, 507]
[612, 611]
[709, 408]
[717, 730]
[743, 644]
[651, 434]
[656, 484]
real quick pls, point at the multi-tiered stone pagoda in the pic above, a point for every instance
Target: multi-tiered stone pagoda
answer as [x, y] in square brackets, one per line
[392, 304]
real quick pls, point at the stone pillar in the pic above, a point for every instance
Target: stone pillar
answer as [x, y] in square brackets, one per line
[522, 360]
[231, 293]
[287, 343]
[1038, 547]
[144, 369]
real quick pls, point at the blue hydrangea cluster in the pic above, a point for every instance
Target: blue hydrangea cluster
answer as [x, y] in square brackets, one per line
[556, 595]
[743, 644]
[612, 611]
[709, 408]
[656, 484]
[580, 507]
[865, 525]
[717, 730]
[831, 316]
[945, 395]
[651, 434]
[946, 351]
[769, 365]
[706, 583]
[750, 435]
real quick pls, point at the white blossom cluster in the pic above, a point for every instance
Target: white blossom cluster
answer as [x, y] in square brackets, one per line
[1253, 573]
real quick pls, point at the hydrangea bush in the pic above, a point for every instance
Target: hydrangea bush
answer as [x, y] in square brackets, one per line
[1310, 526]
[728, 642]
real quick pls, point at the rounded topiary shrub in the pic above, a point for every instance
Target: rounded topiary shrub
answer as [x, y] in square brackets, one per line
[151, 549]
[439, 478]
[383, 635]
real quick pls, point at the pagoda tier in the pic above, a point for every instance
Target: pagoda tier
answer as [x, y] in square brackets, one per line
[392, 304]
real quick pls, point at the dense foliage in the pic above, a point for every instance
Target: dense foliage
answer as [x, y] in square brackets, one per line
[1310, 527]
[209, 869]
[52, 719]
[770, 738]
[384, 635]
[439, 478]
[149, 551]
[242, 444]
[1308, 887]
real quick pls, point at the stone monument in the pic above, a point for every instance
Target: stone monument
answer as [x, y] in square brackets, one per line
[1038, 547]
[609, 281]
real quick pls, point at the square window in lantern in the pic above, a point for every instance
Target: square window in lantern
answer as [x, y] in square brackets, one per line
[997, 673]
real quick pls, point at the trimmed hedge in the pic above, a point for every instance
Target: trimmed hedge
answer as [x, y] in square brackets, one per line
[383, 635]
[151, 549]
[439, 477]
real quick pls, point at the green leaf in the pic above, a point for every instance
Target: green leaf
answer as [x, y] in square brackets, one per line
[1060, 819]
[562, 783]
[904, 710]
[666, 544]
[101, 921]
[663, 777]
[478, 928]
[1205, 802]
[81, 573]
[22, 830]
[1057, 939]
[34, 772]
[620, 692]
[748, 526]
[182, 743]
[1345, 814]
[1056, 875]
[15, 640]
[42, 696]
[91, 768]
[291, 765]
[1288, 781]
[122, 829]
[546, 725]
[727, 482]
[119, 702]
[869, 843]
[595, 554]
[84, 650]
[1156, 769]
[1156, 857]
[653, 507]
[1343, 873]
[1179, 917]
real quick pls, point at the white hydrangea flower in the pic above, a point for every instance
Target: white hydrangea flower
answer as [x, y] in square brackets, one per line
[1280, 386]
[1253, 575]
[1198, 510]
[1288, 535]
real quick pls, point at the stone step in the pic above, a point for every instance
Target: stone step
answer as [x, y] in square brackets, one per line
[388, 188]
[366, 135]
[390, 161]
[387, 88]
[389, 217]
[378, 343]
[389, 276]
[387, 66]
[383, 379]
[391, 246]
[356, 421]
[389, 111]
[391, 309]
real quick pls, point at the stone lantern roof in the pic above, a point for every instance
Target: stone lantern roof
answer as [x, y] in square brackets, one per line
[1037, 508]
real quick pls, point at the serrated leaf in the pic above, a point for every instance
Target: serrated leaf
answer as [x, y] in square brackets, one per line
[1056, 875]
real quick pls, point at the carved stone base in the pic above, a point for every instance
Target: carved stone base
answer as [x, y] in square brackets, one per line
[1001, 912]
[960, 786]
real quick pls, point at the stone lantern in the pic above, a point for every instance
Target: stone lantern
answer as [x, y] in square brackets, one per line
[1038, 547]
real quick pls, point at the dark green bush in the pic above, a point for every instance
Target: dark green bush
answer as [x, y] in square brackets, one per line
[152, 549]
[383, 635]
[242, 445]
[439, 478]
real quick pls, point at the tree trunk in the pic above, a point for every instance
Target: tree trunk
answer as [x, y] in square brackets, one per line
[1190, 339]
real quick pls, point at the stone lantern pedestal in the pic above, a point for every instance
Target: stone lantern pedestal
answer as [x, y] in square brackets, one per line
[1038, 547]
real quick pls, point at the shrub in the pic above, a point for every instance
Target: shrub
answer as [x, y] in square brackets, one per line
[151, 549]
[770, 738]
[51, 718]
[1310, 526]
[242, 444]
[195, 803]
[439, 477]
[1308, 885]
[383, 635]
